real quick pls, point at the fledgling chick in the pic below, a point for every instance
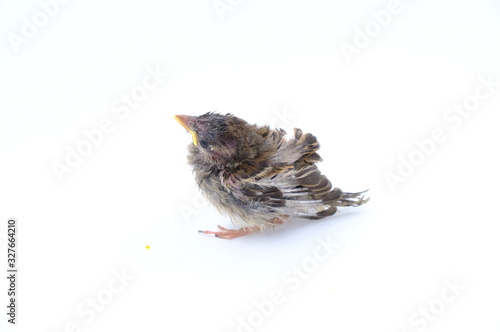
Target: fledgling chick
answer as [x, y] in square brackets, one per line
[257, 176]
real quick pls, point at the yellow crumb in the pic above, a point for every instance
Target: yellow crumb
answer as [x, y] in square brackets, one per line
[147, 247]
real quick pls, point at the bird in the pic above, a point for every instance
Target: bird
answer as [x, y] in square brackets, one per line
[259, 176]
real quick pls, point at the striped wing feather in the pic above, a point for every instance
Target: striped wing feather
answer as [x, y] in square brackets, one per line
[291, 183]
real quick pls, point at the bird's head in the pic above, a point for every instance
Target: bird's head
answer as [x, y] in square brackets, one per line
[216, 138]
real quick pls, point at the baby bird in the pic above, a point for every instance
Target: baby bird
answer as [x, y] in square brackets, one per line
[257, 176]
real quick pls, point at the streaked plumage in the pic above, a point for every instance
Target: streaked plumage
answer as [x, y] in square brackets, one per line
[257, 176]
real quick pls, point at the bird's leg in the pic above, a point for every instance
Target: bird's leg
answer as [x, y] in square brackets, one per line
[279, 221]
[231, 233]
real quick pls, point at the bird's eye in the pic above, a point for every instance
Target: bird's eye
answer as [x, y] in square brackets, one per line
[204, 144]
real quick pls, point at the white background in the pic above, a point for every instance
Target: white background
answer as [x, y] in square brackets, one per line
[262, 60]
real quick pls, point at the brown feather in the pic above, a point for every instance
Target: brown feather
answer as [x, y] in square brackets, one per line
[256, 175]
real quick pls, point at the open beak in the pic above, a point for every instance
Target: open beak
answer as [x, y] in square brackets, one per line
[184, 120]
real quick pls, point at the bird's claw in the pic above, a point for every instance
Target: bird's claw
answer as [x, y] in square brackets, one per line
[228, 234]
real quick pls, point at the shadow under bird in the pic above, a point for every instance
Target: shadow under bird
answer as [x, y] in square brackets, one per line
[257, 176]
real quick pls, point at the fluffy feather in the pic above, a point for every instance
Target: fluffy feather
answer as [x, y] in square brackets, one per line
[257, 176]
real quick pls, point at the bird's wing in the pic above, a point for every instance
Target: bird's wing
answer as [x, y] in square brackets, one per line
[304, 192]
[299, 149]
[292, 183]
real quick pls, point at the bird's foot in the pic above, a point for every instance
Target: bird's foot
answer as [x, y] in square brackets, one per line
[228, 234]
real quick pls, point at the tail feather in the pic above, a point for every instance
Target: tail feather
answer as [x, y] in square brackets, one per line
[352, 199]
[317, 209]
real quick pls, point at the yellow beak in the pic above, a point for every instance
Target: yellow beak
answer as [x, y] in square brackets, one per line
[184, 120]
